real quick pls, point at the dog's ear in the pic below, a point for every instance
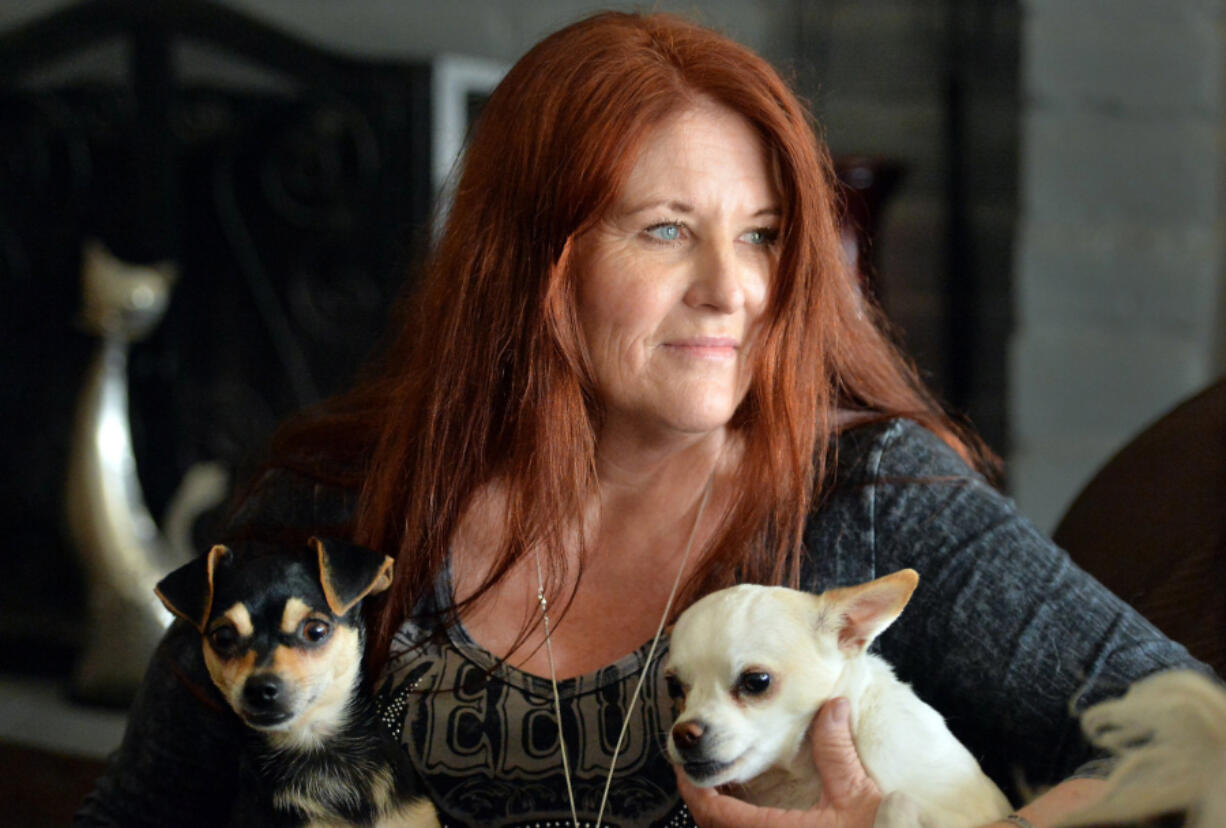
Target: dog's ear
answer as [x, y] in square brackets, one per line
[348, 573]
[858, 614]
[188, 591]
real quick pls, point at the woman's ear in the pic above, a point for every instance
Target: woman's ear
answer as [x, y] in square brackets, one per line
[859, 614]
[348, 572]
[188, 591]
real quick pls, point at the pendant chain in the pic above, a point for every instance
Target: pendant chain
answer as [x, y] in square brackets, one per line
[553, 675]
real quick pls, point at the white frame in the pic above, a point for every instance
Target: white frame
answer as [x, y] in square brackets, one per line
[454, 77]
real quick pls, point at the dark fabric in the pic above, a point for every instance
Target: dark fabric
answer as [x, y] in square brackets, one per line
[1004, 636]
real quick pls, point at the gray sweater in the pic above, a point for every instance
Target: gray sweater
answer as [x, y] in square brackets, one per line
[1004, 636]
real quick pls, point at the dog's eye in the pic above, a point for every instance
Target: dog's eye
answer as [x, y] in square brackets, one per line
[754, 684]
[675, 691]
[315, 630]
[224, 639]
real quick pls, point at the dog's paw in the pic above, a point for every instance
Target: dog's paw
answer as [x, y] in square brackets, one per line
[898, 810]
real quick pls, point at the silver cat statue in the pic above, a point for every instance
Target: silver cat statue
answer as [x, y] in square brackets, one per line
[121, 547]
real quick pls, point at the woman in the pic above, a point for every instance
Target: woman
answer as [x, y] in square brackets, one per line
[637, 370]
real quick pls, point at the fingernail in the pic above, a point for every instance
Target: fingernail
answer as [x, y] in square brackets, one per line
[839, 710]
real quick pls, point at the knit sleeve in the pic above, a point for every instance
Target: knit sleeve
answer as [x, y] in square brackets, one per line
[1005, 635]
[178, 762]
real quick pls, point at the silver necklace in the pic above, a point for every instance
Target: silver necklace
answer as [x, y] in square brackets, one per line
[651, 651]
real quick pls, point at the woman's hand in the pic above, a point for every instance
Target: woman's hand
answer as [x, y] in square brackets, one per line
[849, 797]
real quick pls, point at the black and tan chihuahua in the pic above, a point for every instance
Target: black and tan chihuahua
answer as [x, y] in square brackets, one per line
[283, 641]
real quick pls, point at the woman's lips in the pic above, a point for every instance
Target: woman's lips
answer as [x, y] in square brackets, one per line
[705, 347]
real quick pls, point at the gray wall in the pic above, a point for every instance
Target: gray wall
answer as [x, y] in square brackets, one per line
[492, 28]
[1122, 250]
[909, 80]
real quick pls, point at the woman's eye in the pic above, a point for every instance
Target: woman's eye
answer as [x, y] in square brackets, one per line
[315, 631]
[761, 236]
[754, 684]
[667, 232]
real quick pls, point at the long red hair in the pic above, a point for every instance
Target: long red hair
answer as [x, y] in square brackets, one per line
[487, 377]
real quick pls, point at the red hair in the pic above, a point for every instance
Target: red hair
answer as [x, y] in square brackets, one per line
[488, 378]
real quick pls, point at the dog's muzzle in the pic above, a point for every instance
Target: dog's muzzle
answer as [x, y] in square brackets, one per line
[690, 744]
[266, 700]
[687, 736]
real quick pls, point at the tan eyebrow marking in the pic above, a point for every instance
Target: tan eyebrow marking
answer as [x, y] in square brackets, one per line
[293, 614]
[240, 617]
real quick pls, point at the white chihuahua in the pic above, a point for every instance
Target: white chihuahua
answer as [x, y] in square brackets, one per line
[752, 664]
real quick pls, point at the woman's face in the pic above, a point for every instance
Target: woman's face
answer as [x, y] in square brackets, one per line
[673, 281]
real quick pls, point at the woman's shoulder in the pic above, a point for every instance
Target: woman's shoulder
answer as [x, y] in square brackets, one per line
[886, 475]
[896, 449]
[311, 474]
[282, 499]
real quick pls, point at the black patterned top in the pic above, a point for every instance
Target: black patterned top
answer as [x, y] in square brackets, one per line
[483, 735]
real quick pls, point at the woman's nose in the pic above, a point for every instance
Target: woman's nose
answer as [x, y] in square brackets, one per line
[716, 280]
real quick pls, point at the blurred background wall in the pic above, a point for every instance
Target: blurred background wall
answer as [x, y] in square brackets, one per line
[1120, 277]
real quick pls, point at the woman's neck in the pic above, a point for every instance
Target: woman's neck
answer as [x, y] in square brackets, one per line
[643, 476]
[636, 527]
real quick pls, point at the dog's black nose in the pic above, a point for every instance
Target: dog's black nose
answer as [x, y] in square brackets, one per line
[262, 692]
[687, 735]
